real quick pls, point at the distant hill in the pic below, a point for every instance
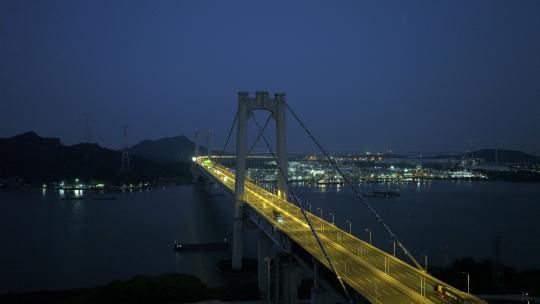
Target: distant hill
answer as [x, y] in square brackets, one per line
[505, 156]
[37, 159]
[167, 149]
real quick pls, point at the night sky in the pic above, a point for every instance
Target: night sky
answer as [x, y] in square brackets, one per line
[364, 75]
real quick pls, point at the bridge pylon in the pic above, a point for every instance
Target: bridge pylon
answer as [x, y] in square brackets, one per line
[197, 148]
[246, 106]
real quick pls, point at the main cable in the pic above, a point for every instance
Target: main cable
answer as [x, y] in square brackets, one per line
[228, 139]
[313, 231]
[356, 191]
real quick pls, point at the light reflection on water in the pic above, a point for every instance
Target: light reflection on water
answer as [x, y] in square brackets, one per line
[77, 209]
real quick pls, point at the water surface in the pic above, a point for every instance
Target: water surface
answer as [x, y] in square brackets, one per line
[52, 243]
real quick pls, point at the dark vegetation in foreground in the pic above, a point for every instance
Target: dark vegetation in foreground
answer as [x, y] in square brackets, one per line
[486, 278]
[165, 288]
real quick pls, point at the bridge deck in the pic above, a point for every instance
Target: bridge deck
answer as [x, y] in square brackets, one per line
[378, 276]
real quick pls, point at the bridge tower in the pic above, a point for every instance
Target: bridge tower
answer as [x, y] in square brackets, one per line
[125, 167]
[198, 135]
[196, 152]
[246, 106]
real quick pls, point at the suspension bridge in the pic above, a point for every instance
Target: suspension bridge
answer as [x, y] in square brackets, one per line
[361, 270]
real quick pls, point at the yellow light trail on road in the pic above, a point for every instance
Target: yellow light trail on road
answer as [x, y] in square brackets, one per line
[379, 276]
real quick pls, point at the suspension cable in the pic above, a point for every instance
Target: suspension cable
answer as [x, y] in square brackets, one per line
[228, 139]
[260, 133]
[313, 231]
[356, 191]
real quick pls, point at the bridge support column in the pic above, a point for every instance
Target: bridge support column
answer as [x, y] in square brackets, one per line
[240, 178]
[322, 296]
[281, 137]
[265, 246]
[319, 295]
[315, 273]
[291, 278]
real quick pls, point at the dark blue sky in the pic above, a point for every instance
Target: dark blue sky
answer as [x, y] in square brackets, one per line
[364, 75]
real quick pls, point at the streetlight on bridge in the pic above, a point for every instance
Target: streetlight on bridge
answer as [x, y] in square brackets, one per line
[320, 209]
[309, 206]
[335, 228]
[322, 221]
[394, 246]
[369, 231]
[425, 261]
[350, 226]
[468, 281]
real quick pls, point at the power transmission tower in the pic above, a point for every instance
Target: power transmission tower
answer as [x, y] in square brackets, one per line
[125, 166]
[87, 122]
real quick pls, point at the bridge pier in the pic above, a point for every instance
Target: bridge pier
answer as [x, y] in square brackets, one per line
[315, 273]
[320, 295]
[291, 278]
[264, 253]
[240, 180]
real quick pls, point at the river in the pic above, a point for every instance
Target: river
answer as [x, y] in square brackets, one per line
[52, 243]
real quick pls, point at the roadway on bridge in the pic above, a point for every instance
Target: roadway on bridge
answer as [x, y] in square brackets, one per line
[377, 275]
